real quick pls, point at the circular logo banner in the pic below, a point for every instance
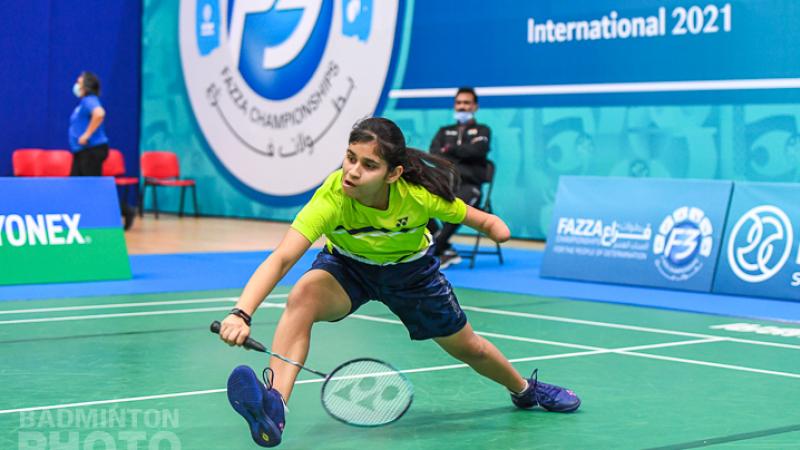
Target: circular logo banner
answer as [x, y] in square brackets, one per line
[684, 241]
[760, 243]
[276, 85]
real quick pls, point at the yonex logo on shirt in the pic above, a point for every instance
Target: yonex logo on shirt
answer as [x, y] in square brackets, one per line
[43, 229]
[401, 222]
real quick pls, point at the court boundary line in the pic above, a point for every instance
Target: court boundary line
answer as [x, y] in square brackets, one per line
[624, 351]
[132, 304]
[114, 316]
[588, 351]
[121, 305]
[464, 307]
[730, 438]
[131, 314]
[320, 380]
[625, 327]
[531, 340]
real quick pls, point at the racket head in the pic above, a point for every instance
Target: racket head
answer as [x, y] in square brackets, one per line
[366, 392]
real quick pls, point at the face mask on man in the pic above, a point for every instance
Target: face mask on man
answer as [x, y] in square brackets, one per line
[76, 89]
[463, 116]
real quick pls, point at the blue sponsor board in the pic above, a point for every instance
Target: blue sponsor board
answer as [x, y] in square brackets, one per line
[595, 52]
[760, 254]
[55, 230]
[94, 199]
[649, 232]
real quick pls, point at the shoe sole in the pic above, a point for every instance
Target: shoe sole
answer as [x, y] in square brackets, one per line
[246, 397]
[568, 410]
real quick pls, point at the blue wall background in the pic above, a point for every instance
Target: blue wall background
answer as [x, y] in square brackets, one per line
[44, 45]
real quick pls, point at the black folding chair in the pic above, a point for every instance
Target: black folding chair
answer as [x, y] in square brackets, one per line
[488, 184]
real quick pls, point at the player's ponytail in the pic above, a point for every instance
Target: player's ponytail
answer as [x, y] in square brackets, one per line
[434, 173]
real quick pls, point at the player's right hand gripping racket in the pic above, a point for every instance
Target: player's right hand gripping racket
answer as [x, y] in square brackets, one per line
[364, 392]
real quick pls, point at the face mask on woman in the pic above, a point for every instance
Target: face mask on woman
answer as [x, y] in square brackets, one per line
[76, 89]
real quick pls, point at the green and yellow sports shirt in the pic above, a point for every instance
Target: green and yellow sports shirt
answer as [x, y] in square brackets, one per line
[397, 234]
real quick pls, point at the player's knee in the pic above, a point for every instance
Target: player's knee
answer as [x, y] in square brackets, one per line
[474, 350]
[479, 349]
[302, 300]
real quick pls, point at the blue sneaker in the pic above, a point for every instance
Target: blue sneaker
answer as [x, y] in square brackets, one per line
[548, 396]
[259, 404]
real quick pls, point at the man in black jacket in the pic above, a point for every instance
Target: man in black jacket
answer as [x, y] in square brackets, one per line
[465, 144]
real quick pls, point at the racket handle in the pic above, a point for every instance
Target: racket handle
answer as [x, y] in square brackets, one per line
[249, 343]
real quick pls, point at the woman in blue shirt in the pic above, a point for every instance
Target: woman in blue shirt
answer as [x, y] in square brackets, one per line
[87, 137]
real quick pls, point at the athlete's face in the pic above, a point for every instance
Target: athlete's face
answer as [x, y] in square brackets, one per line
[365, 175]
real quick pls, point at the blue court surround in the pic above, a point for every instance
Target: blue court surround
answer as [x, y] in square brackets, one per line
[520, 274]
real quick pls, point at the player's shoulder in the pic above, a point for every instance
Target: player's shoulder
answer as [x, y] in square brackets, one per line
[415, 193]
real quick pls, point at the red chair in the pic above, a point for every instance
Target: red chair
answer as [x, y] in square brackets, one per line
[114, 166]
[54, 163]
[162, 169]
[25, 161]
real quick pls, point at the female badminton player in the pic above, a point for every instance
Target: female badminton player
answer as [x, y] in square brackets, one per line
[373, 212]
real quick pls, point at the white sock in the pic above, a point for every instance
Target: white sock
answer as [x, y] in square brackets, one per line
[523, 390]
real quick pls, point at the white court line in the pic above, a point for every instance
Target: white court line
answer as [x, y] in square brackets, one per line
[466, 308]
[629, 351]
[711, 364]
[625, 327]
[705, 337]
[482, 333]
[119, 305]
[378, 319]
[135, 314]
[580, 321]
[592, 349]
[319, 380]
[110, 316]
[131, 305]
[606, 88]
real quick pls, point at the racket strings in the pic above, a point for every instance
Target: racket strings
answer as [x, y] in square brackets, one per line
[367, 393]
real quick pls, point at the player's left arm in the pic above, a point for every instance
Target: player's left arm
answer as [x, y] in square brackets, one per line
[489, 224]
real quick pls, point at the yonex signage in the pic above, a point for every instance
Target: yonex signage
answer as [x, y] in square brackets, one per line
[651, 232]
[41, 229]
[761, 252]
[59, 230]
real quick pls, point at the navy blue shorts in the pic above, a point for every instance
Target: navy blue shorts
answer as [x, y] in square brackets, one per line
[417, 292]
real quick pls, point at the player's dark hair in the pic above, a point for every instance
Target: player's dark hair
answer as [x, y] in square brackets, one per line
[434, 173]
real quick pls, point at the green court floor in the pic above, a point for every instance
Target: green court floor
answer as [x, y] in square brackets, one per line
[144, 372]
